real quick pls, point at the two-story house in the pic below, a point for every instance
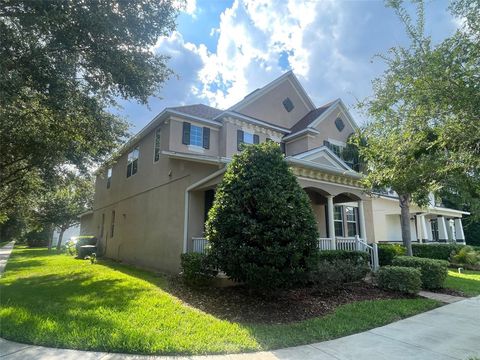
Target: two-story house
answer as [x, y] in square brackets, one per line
[152, 203]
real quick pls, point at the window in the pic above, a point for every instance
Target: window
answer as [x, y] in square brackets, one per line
[244, 137]
[132, 162]
[288, 105]
[434, 226]
[338, 220]
[109, 178]
[156, 148]
[337, 149]
[351, 215]
[195, 135]
[339, 124]
[112, 225]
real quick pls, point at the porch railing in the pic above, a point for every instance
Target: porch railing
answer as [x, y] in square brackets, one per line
[351, 244]
[199, 245]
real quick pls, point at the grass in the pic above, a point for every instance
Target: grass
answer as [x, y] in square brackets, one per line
[467, 282]
[55, 300]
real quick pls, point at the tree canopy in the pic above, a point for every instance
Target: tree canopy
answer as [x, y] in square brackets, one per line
[62, 64]
[425, 117]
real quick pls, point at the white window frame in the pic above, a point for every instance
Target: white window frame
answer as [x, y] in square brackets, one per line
[339, 220]
[355, 221]
[133, 156]
[249, 134]
[192, 137]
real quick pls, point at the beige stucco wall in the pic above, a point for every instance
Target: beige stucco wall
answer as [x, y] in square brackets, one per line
[328, 130]
[269, 107]
[87, 225]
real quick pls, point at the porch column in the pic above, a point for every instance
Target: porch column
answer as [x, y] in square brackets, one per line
[442, 229]
[429, 230]
[459, 230]
[423, 223]
[418, 226]
[331, 223]
[361, 215]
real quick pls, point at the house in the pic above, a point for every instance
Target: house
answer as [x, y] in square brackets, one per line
[152, 203]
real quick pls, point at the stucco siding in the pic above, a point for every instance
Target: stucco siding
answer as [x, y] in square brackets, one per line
[269, 107]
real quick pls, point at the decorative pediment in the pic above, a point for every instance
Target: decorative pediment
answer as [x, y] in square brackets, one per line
[323, 156]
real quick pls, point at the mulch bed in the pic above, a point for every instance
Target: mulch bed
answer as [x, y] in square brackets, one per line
[449, 292]
[238, 304]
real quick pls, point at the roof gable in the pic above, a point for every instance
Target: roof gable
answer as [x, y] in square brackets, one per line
[324, 156]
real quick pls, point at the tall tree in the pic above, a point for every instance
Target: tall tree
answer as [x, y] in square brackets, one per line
[62, 63]
[62, 206]
[422, 107]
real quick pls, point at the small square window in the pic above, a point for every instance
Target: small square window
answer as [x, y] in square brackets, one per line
[288, 105]
[248, 138]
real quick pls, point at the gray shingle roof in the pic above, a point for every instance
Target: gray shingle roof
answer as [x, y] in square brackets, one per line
[200, 110]
[304, 122]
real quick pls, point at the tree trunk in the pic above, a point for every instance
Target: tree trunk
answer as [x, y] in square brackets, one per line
[405, 222]
[60, 237]
[50, 243]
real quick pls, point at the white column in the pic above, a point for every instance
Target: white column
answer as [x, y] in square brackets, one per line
[331, 223]
[429, 231]
[361, 215]
[442, 229]
[418, 227]
[459, 230]
[423, 224]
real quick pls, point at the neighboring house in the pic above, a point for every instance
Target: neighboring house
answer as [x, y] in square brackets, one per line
[151, 205]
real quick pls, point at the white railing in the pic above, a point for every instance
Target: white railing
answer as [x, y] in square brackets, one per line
[351, 244]
[199, 245]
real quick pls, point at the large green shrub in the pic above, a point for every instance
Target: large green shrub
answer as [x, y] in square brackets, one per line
[337, 267]
[261, 227]
[387, 252]
[197, 269]
[38, 238]
[435, 251]
[434, 272]
[399, 278]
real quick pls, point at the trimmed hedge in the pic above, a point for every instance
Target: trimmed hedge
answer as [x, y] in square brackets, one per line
[435, 251]
[337, 267]
[197, 269]
[399, 278]
[387, 252]
[434, 272]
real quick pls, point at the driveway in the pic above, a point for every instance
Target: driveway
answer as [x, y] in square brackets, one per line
[448, 332]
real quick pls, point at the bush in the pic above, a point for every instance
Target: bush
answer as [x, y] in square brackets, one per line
[467, 256]
[387, 252]
[197, 269]
[261, 227]
[337, 267]
[434, 272]
[435, 251]
[399, 278]
[38, 238]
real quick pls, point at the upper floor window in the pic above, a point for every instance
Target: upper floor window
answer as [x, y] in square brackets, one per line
[336, 148]
[112, 225]
[339, 124]
[109, 178]
[244, 137]
[288, 104]
[132, 162]
[156, 149]
[196, 135]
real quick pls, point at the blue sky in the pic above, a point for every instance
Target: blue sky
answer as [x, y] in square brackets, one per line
[222, 50]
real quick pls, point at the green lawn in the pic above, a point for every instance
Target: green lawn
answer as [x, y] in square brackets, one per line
[55, 300]
[467, 282]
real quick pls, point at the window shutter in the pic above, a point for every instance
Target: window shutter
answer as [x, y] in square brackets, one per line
[186, 133]
[239, 139]
[206, 138]
[282, 148]
[256, 139]
[326, 143]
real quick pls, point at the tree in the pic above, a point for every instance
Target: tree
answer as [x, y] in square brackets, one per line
[261, 227]
[422, 106]
[63, 205]
[62, 63]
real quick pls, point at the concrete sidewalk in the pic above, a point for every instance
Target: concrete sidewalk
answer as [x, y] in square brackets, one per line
[448, 332]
